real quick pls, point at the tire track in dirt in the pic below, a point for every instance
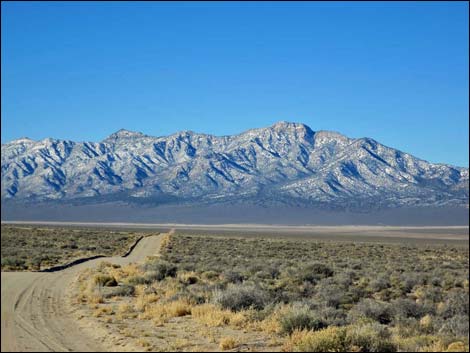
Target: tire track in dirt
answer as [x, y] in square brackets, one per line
[35, 312]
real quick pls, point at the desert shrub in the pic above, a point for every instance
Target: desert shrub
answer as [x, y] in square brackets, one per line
[356, 293]
[48, 247]
[266, 271]
[407, 327]
[409, 280]
[456, 326]
[151, 276]
[406, 308]
[427, 323]
[188, 278]
[432, 294]
[120, 291]
[369, 338]
[300, 317]
[330, 294]
[103, 265]
[274, 270]
[105, 280]
[379, 284]
[315, 271]
[260, 315]
[210, 275]
[160, 269]
[232, 276]
[36, 261]
[239, 297]
[419, 343]
[346, 278]
[436, 281]
[372, 309]
[136, 280]
[13, 262]
[456, 303]
[330, 281]
[331, 316]
[195, 298]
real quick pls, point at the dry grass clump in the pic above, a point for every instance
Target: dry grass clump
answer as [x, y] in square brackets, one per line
[105, 280]
[160, 312]
[143, 343]
[103, 310]
[327, 340]
[144, 300]
[125, 308]
[457, 347]
[213, 316]
[227, 343]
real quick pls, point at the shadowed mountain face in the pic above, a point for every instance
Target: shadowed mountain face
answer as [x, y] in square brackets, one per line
[284, 164]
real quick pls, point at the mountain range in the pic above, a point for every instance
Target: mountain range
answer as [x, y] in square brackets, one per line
[284, 164]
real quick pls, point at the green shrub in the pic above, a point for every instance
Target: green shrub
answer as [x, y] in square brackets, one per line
[456, 303]
[407, 308]
[332, 316]
[239, 297]
[232, 277]
[136, 280]
[456, 326]
[410, 280]
[13, 262]
[300, 317]
[314, 272]
[372, 309]
[330, 293]
[160, 269]
[379, 284]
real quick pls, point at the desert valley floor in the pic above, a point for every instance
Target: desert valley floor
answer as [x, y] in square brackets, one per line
[38, 311]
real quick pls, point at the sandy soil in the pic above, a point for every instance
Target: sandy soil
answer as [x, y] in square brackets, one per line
[36, 314]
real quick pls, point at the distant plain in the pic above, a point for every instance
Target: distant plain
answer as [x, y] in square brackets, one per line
[455, 235]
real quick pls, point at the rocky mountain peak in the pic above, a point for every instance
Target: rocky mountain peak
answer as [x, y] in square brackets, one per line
[286, 162]
[22, 140]
[123, 133]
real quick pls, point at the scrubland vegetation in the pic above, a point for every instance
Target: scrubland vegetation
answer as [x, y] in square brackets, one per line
[32, 248]
[296, 295]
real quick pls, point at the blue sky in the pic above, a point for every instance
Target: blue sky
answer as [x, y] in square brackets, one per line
[397, 72]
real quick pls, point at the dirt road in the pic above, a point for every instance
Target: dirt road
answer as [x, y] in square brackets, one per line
[36, 314]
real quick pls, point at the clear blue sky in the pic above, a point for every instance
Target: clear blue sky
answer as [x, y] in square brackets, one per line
[397, 72]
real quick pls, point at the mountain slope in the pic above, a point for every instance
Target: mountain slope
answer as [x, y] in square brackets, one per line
[284, 163]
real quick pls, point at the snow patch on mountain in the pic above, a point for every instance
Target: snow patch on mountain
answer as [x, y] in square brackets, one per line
[286, 162]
